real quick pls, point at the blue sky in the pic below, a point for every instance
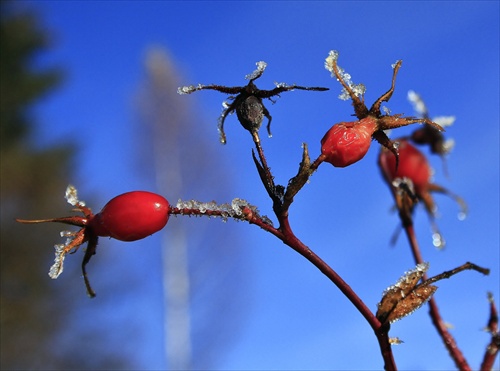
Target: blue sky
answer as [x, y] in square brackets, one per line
[298, 320]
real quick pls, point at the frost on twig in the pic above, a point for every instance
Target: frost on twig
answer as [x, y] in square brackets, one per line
[261, 66]
[189, 89]
[57, 268]
[407, 295]
[235, 209]
[331, 65]
[72, 197]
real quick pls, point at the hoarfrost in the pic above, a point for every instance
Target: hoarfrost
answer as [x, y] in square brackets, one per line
[444, 121]
[57, 268]
[261, 66]
[281, 84]
[331, 60]
[331, 65]
[188, 89]
[72, 196]
[395, 64]
[417, 102]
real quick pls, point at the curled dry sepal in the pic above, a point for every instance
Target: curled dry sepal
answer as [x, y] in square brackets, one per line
[407, 295]
[348, 142]
[128, 217]
[247, 101]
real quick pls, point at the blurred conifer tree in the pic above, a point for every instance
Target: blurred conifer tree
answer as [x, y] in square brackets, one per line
[35, 311]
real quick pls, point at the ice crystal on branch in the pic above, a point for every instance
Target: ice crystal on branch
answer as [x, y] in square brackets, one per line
[407, 295]
[331, 64]
[235, 209]
[57, 268]
[261, 66]
[72, 196]
[188, 89]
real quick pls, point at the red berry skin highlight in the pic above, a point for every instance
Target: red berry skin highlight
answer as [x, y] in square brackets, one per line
[131, 216]
[348, 142]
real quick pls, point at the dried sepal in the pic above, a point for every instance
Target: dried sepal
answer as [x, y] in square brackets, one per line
[296, 183]
[414, 300]
[74, 239]
[403, 297]
[407, 295]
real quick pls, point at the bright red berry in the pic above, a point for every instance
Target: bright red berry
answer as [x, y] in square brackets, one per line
[127, 217]
[131, 216]
[348, 142]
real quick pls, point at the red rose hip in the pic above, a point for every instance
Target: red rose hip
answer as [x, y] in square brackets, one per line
[348, 142]
[131, 216]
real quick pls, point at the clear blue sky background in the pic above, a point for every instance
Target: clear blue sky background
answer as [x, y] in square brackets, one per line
[298, 320]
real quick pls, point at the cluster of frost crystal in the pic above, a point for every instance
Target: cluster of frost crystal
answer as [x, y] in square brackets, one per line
[188, 89]
[331, 65]
[417, 102]
[395, 64]
[72, 196]
[225, 211]
[57, 268]
[281, 84]
[410, 277]
[386, 110]
[261, 66]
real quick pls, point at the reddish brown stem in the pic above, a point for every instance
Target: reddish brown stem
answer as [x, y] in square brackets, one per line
[494, 346]
[286, 234]
[437, 320]
[381, 332]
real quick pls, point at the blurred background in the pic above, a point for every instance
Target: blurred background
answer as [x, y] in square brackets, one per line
[89, 97]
